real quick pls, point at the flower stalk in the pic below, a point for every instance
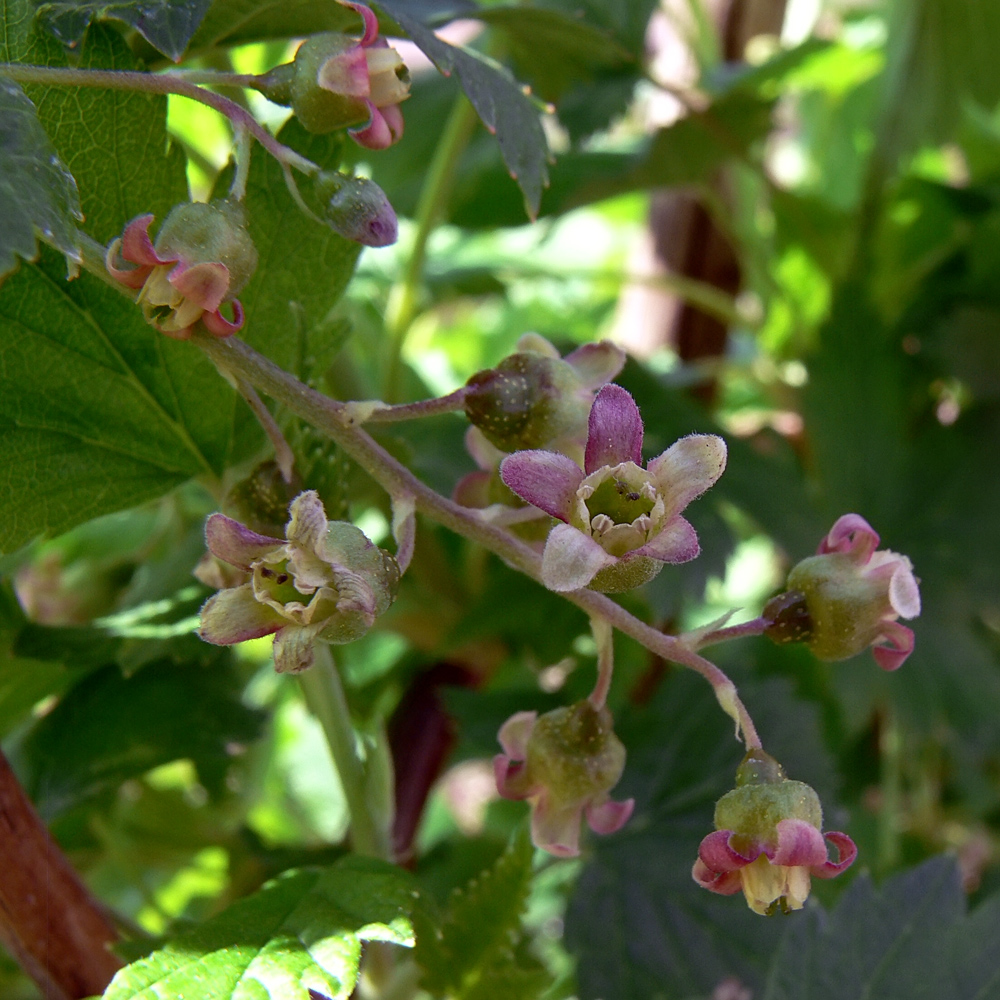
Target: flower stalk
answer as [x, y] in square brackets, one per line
[333, 418]
[324, 694]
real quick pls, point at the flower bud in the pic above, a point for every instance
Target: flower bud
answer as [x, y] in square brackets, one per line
[768, 841]
[357, 209]
[852, 597]
[528, 400]
[565, 762]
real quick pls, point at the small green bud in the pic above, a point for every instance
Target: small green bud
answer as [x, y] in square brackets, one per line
[527, 401]
[357, 209]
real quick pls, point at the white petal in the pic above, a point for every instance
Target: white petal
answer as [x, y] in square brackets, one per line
[571, 559]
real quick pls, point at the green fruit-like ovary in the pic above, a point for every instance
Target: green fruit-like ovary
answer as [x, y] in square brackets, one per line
[574, 753]
[625, 575]
[620, 500]
[199, 233]
[317, 109]
[527, 401]
[755, 810]
[845, 608]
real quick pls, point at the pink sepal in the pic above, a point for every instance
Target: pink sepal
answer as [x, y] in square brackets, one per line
[717, 854]
[370, 21]
[596, 364]
[800, 845]
[724, 883]
[235, 543]
[137, 247]
[847, 851]
[556, 829]
[677, 542]
[609, 816]
[346, 74]
[545, 479]
[376, 134]
[204, 284]
[899, 641]
[234, 615]
[507, 773]
[219, 326]
[853, 535]
[515, 733]
[614, 432]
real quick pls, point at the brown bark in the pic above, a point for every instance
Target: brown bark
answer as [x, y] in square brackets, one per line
[49, 922]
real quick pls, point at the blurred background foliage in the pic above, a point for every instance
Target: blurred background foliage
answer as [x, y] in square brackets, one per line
[789, 215]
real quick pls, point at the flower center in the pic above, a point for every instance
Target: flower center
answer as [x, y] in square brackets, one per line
[620, 500]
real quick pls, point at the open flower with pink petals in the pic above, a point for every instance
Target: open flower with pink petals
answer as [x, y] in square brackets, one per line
[852, 596]
[564, 763]
[768, 840]
[203, 256]
[621, 522]
[324, 582]
[339, 81]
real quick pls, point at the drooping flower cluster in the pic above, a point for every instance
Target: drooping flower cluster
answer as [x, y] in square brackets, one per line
[338, 81]
[621, 522]
[324, 582]
[768, 840]
[203, 257]
[848, 597]
[564, 762]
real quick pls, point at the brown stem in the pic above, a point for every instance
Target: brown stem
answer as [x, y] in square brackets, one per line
[49, 921]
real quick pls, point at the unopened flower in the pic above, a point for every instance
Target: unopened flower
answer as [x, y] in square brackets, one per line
[621, 521]
[848, 597]
[531, 399]
[324, 582]
[768, 840]
[203, 257]
[357, 208]
[340, 81]
[564, 762]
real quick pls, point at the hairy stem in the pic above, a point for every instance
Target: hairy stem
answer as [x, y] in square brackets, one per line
[160, 83]
[756, 626]
[333, 418]
[324, 695]
[402, 304]
[604, 638]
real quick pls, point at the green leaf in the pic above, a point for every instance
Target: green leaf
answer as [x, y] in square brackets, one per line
[940, 57]
[498, 99]
[574, 50]
[302, 931]
[93, 398]
[37, 192]
[304, 266]
[109, 728]
[473, 942]
[909, 940]
[640, 925]
[166, 24]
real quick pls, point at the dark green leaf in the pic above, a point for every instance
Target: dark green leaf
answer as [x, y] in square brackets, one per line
[109, 728]
[303, 930]
[910, 940]
[38, 195]
[166, 24]
[574, 50]
[481, 920]
[94, 398]
[498, 99]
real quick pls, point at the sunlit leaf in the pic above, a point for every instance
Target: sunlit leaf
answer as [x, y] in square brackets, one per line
[302, 931]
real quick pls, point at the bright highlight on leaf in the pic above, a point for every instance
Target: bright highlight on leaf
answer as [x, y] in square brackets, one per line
[303, 931]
